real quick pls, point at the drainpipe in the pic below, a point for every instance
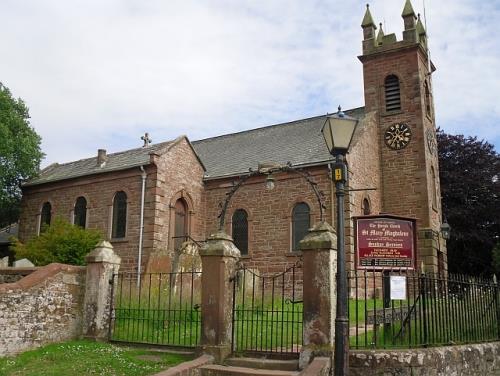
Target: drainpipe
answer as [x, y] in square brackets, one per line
[141, 225]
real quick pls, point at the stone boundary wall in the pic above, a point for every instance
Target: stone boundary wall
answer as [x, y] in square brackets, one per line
[191, 368]
[320, 366]
[11, 275]
[45, 306]
[465, 360]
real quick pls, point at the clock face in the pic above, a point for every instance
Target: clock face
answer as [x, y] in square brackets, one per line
[431, 141]
[397, 136]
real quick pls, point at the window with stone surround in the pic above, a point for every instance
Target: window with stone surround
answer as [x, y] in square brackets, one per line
[427, 99]
[301, 221]
[434, 188]
[119, 225]
[181, 223]
[239, 228]
[80, 212]
[366, 207]
[45, 216]
[392, 94]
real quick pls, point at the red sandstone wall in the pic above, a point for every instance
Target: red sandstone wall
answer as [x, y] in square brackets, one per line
[364, 172]
[269, 214]
[180, 174]
[99, 191]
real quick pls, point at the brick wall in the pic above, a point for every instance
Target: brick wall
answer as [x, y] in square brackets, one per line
[44, 307]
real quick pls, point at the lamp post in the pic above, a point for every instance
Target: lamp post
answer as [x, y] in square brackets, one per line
[338, 131]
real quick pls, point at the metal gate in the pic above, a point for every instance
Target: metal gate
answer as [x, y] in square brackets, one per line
[156, 308]
[267, 311]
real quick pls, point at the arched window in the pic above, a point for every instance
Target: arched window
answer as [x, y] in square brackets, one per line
[45, 216]
[181, 223]
[427, 99]
[80, 213]
[119, 226]
[301, 221]
[392, 93]
[434, 188]
[366, 207]
[240, 230]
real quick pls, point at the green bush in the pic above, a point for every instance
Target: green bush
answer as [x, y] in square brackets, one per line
[60, 242]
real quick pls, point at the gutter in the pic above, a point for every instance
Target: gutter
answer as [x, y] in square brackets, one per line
[141, 224]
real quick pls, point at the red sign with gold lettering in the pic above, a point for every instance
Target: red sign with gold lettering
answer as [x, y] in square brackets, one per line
[385, 242]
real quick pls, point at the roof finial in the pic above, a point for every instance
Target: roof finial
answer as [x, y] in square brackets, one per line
[420, 27]
[408, 9]
[146, 140]
[380, 36]
[368, 19]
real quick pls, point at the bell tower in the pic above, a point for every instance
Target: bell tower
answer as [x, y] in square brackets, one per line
[398, 90]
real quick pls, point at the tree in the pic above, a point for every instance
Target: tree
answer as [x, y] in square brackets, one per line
[20, 153]
[60, 242]
[470, 189]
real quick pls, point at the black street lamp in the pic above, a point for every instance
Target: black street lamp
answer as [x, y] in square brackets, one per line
[338, 131]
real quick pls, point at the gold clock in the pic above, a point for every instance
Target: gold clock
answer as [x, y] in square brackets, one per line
[397, 136]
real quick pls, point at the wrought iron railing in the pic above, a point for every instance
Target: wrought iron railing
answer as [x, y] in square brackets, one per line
[267, 311]
[435, 310]
[164, 308]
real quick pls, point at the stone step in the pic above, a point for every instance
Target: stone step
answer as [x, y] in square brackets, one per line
[217, 370]
[264, 363]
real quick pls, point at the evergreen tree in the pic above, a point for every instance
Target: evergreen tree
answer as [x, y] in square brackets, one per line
[470, 189]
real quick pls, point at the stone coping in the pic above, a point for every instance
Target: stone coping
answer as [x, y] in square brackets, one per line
[320, 366]
[20, 270]
[185, 368]
[40, 275]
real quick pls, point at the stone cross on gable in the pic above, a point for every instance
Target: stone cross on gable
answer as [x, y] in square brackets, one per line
[146, 140]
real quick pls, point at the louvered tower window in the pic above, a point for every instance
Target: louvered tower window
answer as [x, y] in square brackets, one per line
[392, 94]
[240, 230]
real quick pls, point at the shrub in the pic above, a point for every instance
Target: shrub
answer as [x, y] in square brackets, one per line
[60, 242]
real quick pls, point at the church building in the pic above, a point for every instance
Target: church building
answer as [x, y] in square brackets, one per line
[151, 201]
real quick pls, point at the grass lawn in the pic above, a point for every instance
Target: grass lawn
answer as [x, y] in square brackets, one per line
[88, 358]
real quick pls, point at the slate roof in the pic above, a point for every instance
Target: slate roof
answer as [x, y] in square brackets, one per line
[115, 161]
[299, 142]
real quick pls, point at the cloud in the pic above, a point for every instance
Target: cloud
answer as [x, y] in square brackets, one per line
[99, 74]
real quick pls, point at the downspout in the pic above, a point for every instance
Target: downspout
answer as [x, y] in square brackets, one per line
[141, 225]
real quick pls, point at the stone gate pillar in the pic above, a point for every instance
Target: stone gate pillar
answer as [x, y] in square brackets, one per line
[219, 256]
[102, 263]
[319, 268]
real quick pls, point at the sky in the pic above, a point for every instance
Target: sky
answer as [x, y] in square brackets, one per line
[99, 73]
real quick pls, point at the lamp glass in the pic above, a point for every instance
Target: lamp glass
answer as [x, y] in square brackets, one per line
[338, 131]
[445, 230]
[270, 183]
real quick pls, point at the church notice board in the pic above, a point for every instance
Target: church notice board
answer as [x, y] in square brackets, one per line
[385, 242]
